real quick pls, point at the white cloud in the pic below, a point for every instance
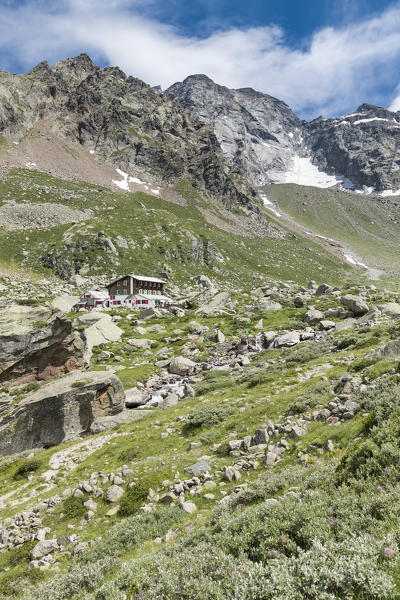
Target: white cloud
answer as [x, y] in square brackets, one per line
[331, 73]
[395, 104]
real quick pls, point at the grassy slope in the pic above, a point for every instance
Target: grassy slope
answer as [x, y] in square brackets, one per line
[368, 226]
[154, 227]
[261, 392]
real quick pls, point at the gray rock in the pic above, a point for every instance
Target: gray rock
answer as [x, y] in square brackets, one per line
[325, 324]
[201, 466]
[140, 343]
[355, 304]
[266, 305]
[313, 316]
[392, 348]
[345, 324]
[60, 411]
[288, 339]
[219, 304]
[188, 507]
[188, 391]
[171, 400]
[181, 366]
[112, 421]
[43, 548]
[261, 436]
[323, 289]
[103, 331]
[135, 397]
[114, 493]
[391, 309]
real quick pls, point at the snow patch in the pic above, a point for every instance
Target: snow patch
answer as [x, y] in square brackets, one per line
[355, 261]
[30, 165]
[303, 172]
[124, 185]
[387, 193]
[268, 204]
[375, 119]
[127, 179]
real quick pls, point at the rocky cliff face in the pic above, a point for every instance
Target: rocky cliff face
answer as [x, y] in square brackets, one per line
[263, 137]
[121, 119]
[36, 344]
[258, 134]
[363, 146]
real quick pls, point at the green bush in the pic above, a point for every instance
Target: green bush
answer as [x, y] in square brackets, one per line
[307, 351]
[134, 497]
[207, 416]
[73, 508]
[319, 393]
[21, 554]
[345, 342]
[27, 466]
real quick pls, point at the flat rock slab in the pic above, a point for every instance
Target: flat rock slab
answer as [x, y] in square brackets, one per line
[111, 421]
[202, 466]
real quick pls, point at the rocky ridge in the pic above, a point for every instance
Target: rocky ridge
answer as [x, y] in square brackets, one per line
[261, 136]
[121, 120]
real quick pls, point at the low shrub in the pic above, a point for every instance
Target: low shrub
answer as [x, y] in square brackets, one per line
[207, 416]
[130, 454]
[73, 508]
[134, 497]
[21, 554]
[307, 351]
[27, 466]
[319, 393]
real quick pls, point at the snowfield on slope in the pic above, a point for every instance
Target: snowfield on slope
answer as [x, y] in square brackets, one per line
[303, 172]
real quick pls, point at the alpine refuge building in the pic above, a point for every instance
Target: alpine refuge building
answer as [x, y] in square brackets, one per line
[131, 290]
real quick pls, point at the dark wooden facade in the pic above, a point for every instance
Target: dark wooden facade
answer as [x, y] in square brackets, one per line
[129, 285]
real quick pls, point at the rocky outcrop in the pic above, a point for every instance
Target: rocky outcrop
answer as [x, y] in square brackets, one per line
[128, 124]
[219, 304]
[362, 146]
[257, 133]
[36, 344]
[60, 411]
[262, 137]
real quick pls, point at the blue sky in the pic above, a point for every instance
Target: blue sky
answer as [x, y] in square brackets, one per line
[320, 56]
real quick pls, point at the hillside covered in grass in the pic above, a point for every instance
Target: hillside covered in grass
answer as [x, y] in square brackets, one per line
[274, 476]
[64, 228]
[366, 225]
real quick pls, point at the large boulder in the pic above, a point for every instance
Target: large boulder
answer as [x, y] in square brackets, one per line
[391, 309]
[219, 304]
[288, 339]
[60, 411]
[390, 349]
[313, 316]
[266, 304]
[181, 366]
[102, 331]
[355, 304]
[135, 397]
[64, 303]
[36, 344]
